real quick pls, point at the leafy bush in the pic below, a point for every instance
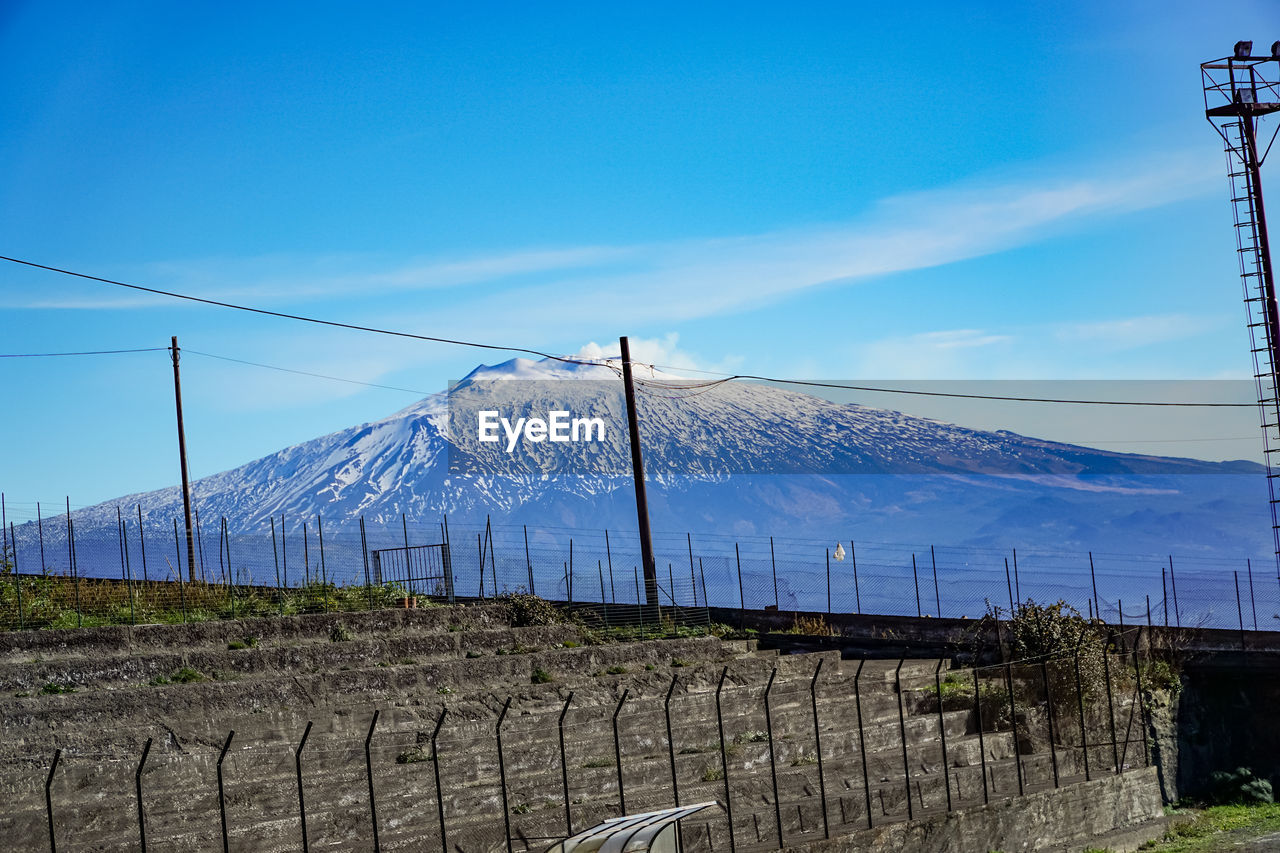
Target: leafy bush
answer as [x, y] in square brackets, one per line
[541, 676]
[1238, 786]
[340, 633]
[812, 626]
[528, 609]
[1053, 632]
[55, 689]
[187, 675]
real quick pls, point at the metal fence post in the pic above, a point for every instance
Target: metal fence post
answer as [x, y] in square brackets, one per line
[937, 594]
[671, 743]
[528, 562]
[1164, 594]
[724, 761]
[773, 565]
[828, 580]
[222, 799]
[617, 751]
[773, 768]
[902, 727]
[364, 553]
[275, 554]
[1253, 602]
[608, 560]
[982, 746]
[1142, 707]
[1093, 580]
[71, 563]
[915, 574]
[1048, 705]
[182, 587]
[1173, 584]
[1008, 579]
[435, 766]
[702, 575]
[48, 799]
[942, 726]
[862, 742]
[1084, 741]
[857, 595]
[817, 747]
[1239, 609]
[17, 581]
[1111, 707]
[142, 545]
[564, 767]
[137, 780]
[604, 604]
[1013, 718]
[742, 597]
[324, 569]
[40, 534]
[368, 764]
[502, 774]
[1017, 584]
[302, 801]
[124, 574]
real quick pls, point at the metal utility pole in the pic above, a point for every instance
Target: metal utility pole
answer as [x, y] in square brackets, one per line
[1239, 90]
[182, 459]
[637, 474]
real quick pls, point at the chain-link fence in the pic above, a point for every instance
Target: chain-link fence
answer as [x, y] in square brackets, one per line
[60, 573]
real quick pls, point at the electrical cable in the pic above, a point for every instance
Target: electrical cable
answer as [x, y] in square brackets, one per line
[598, 362]
[315, 375]
[87, 352]
[298, 317]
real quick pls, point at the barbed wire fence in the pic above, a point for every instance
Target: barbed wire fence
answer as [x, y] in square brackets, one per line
[788, 759]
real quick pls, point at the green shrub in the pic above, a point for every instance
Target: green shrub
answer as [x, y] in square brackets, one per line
[617, 670]
[528, 609]
[340, 633]
[1238, 786]
[187, 675]
[55, 689]
[541, 676]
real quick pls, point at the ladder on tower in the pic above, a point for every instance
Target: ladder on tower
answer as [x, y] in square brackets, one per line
[1258, 311]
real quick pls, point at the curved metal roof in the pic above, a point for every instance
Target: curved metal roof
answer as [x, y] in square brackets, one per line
[627, 834]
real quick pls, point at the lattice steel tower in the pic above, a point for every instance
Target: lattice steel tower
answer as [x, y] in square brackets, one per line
[1240, 91]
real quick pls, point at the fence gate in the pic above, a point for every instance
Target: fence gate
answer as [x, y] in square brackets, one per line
[421, 569]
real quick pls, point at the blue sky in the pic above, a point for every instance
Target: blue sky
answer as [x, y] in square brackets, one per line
[875, 191]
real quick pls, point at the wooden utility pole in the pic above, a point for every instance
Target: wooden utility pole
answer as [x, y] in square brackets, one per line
[637, 474]
[182, 459]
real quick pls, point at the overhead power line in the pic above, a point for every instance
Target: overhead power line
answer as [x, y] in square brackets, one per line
[298, 317]
[956, 395]
[87, 352]
[600, 362]
[309, 373]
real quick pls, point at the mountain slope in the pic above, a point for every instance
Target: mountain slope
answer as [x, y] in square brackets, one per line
[733, 457]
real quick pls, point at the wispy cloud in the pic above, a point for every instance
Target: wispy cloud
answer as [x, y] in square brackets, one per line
[682, 280]
[1134, 332]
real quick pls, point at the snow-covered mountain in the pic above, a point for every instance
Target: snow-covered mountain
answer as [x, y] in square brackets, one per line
[734, 458]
